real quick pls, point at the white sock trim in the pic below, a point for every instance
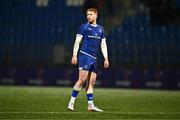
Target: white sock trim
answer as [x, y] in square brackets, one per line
[72, 99]
[91, 103]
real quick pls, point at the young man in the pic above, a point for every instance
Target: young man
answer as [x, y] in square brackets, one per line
[91, 36]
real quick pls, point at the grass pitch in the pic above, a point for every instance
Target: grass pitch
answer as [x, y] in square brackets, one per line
[51, 103]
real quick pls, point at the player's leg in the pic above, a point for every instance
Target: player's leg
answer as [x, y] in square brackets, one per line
[87, 81]
[90, 86]
[89, 91]
[77, 87]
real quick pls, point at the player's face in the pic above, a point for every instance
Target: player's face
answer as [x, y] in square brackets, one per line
[91, 17]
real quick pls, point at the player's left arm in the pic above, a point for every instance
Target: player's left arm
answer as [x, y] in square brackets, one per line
[104, 52]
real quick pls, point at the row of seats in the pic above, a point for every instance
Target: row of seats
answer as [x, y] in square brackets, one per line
[23, 23]
[26, 26]
[28, 33]
[137, 41]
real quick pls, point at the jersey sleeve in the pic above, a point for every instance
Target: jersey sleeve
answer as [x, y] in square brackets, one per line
[81, 30]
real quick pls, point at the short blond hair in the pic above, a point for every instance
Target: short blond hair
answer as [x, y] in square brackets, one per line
[92, 9]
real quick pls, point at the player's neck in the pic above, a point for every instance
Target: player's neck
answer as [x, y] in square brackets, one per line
[93, 23]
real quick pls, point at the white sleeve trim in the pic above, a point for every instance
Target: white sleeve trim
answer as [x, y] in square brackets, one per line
[76, 44]
[104, 48]
[79, 35]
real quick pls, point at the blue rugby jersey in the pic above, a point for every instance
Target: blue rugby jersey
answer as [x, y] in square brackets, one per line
[91, 41]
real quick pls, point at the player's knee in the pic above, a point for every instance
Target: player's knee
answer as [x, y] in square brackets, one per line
[93, 81]
[81, 80]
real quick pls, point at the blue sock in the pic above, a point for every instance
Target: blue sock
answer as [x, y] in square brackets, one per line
[74, 93]
[90, 97]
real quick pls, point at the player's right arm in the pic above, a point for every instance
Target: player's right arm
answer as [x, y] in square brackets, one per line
[105, 52]
[76, 48]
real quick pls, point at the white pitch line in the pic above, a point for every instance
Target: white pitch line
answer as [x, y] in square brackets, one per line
[54, 112]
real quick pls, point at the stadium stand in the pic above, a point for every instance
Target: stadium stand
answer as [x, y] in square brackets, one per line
[138, 51]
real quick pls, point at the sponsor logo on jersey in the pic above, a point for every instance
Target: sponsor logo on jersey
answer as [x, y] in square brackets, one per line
[94, 37]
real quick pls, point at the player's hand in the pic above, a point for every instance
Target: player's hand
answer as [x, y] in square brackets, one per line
[106, 63]
[74, 60]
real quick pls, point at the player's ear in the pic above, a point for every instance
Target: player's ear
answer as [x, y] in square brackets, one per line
[96, 16]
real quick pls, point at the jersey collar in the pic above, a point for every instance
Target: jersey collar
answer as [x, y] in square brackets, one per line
[93, 25]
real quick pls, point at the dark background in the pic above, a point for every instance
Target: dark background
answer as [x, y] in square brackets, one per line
[37, 37]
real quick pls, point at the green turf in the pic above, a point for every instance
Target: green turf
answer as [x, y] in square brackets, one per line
[51, 103]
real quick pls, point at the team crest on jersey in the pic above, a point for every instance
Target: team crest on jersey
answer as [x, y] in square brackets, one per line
[100, 30]
[89, 28]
